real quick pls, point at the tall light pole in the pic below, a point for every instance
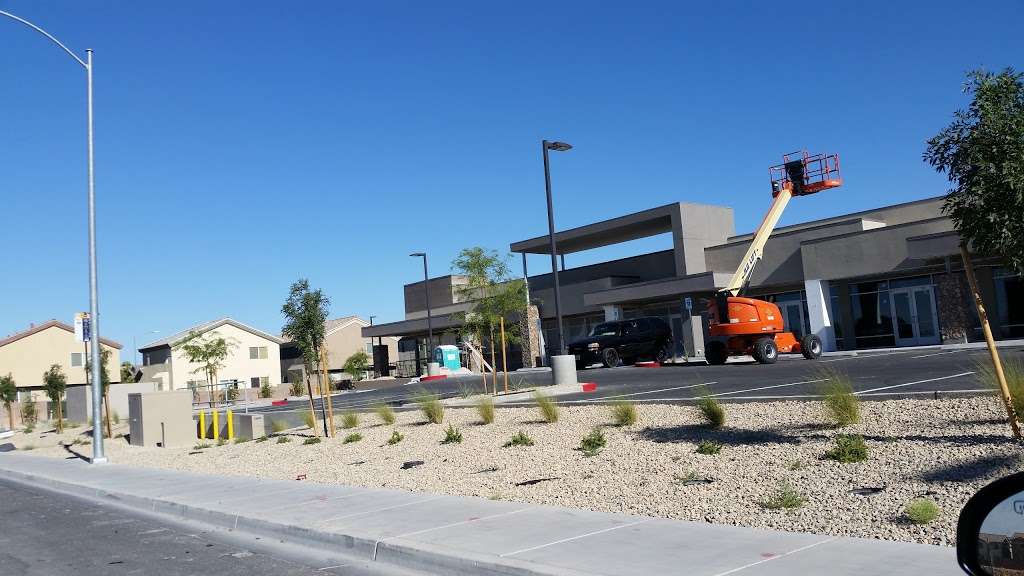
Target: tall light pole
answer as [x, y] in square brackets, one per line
[426, 295]
[557, 147]
[94, 308]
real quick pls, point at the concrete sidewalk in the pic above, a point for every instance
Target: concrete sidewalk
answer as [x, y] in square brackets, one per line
[418, 533]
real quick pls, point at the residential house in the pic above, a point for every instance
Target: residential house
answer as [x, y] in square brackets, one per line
[343, 338]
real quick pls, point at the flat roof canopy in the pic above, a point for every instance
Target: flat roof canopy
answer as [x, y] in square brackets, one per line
[606, 232]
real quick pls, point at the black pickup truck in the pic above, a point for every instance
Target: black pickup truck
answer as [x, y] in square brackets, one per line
[612, 343]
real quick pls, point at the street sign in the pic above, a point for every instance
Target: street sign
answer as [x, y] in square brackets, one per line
[688, 303]
[83, 327]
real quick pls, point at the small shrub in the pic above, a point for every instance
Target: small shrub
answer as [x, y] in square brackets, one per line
[309, 419]
[283, 439]
[712, 411]
[278, 426]
[29, 428]
[624, 413]
[592, 443]
[519, 439]
[796, 465]
[28, 415]
[848, 448]
[1013, 370]
[385, 413]
[547, 406]
[262, 438]
[452, 435]
[353, 437]
[80, 442]
[70, 424]
[311, 440]
[221, 441]
[396, 437]
[922, 510]
[295, 388]
[842, 406]
[786, 498]
[265, 390]
[684, 479]
[432, 408]
[232, 394]
[349, 420]
[201, 446]
[709, 447]
[485, 408]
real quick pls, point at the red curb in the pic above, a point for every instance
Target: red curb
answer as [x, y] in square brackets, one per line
[429, 378]
[279, 403]
[648, 365]
[588, 386]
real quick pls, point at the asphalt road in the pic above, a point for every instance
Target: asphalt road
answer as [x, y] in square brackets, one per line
[47, 534]
[874, 375]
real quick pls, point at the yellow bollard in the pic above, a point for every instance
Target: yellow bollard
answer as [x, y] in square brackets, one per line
[216, 427]
[231, 425]
[202, 424]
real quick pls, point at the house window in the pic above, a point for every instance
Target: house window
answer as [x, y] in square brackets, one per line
[369, 348]
[259, 381]
[257, 353]
[76, 359]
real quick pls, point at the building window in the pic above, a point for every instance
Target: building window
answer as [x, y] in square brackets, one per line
[872, 314]
[76, 359]
[257, 353]
[259, 381]
[1009, 302]
[369, 348]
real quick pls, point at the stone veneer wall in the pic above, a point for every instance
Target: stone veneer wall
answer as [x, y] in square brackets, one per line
[951, 297]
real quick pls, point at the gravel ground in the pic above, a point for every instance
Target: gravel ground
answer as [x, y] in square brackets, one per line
[943, 449]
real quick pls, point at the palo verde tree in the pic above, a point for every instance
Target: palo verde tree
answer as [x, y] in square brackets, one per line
[305, 313]
[493, 292]
[357, 364]
[982, 153]
[8, 395]
[55, 383]
[209, 351]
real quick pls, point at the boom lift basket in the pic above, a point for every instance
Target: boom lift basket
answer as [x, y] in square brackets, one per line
[802, 173]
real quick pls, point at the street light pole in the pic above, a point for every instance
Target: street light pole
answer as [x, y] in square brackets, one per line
[426, 295]
[98, 456]
[558, 147]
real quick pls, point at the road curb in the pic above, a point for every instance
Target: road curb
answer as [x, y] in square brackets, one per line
[366, 554]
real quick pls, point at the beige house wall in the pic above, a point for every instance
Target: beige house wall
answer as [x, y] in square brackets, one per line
[26, 359]
[238, 365]
[347, 339]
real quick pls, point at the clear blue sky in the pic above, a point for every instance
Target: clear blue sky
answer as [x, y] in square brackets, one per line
[243, 145]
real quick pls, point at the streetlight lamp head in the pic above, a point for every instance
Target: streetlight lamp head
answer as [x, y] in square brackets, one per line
[417, 254]
[559, 146]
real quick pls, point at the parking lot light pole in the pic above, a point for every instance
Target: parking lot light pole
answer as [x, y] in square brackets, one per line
[426, 294]
[98, 456]
[557, 147]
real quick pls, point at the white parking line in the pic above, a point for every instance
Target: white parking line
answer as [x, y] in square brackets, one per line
[648, 392]
[862, 356]
[937, 354]
[767, 387]
[912, 383]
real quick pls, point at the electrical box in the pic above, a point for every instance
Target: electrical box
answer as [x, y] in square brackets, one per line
[161, 419]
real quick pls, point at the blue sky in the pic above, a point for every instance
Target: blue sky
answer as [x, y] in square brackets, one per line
[243, 145]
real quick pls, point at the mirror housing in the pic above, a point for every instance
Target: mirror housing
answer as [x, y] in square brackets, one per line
[973, 516]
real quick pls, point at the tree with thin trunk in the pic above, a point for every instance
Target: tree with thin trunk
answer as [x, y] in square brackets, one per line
[105, 382]
[8, 395]
[982, 153]
[209, 350]
[305, 313]
[55, 383]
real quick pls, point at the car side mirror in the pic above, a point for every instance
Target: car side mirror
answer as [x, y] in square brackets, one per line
[990, 531]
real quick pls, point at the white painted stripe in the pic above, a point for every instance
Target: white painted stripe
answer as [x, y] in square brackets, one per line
[648, 392]
[937, 354]
[864, 356]
[594, 533]
[912, 383]
[767, 387]
[752, 564]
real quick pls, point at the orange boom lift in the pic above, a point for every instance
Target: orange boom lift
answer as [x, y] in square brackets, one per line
[747, 326]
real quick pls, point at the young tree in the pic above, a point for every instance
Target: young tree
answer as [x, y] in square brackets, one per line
[357, 364]
[982, 153]
[55, 383]
[8, 395]
[209, 351]
[105, 381]
[305, 313]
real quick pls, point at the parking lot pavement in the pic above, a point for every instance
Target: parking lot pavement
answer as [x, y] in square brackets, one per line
[874, 375]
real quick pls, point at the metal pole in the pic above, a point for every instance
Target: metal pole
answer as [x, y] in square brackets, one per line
[430, 324]
[553, 247]
[98, 456]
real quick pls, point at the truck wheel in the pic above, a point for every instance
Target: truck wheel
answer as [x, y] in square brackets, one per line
[766, 351]
[810, 346]
[716, 353]
[610, 358]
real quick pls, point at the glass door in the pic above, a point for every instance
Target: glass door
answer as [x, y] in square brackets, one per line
[914, 316]
[792, 317]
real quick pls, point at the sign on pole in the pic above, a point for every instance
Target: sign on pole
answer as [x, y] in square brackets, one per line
[83, 327]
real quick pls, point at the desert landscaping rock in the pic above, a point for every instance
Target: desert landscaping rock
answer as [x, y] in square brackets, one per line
[946, 449]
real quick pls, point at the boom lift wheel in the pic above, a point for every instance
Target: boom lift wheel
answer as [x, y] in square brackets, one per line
[810, 346]
[716, 352]
[765, 350]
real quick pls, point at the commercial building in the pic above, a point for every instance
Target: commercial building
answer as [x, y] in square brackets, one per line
[890, 276]
[254, 358]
